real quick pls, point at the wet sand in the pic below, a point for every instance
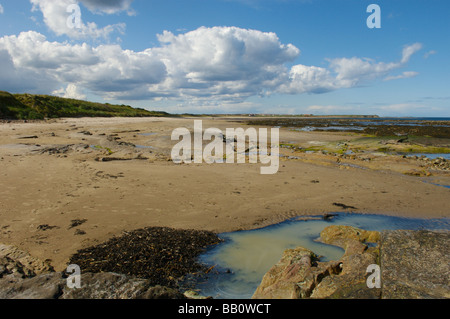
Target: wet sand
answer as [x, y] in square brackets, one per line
[51, 177]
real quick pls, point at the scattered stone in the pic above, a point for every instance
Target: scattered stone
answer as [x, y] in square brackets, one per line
[79, 232]
[344, 206]
[113, 138]
[111, 159]
[139, 156]
[126, 144]
[45, 227]
[328, 216]
[76, 222]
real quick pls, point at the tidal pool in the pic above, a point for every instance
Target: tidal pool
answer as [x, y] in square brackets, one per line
[244, 257]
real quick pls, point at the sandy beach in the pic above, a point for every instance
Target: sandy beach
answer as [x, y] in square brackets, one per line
[58, 196]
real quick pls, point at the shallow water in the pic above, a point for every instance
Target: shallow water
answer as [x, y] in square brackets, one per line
[328, 128]
[245, 256]
[446, 186]
[429, 155]
[360, 124]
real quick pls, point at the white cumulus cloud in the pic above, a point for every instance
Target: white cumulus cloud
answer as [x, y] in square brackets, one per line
[224, 61]
[206, 66]
[56, 15]
[70, 92]
[106, 69]
[345, 73]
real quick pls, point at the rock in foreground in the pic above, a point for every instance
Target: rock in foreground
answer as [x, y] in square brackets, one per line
[300, 274]
[413, 264]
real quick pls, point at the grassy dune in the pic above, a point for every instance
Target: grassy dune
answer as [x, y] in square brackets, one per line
[29, 106]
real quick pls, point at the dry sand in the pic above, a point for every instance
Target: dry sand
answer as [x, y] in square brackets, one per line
[42, 192]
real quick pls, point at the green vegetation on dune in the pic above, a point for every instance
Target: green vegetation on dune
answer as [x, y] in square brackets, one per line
[10, 107]
[29, 106]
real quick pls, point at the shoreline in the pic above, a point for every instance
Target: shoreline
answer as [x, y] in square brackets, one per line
[51, 179]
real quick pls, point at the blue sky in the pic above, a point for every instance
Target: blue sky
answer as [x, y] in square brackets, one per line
[232, 56]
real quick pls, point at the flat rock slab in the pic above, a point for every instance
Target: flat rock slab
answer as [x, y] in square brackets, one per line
[415, 264]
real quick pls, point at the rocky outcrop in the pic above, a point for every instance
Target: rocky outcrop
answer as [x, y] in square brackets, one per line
[413, 264]
[295, 276]
[25, 277]
[351, 281]
[15, 262]
[300, 274]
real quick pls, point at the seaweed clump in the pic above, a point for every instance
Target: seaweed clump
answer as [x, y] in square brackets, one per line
[160, 254]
